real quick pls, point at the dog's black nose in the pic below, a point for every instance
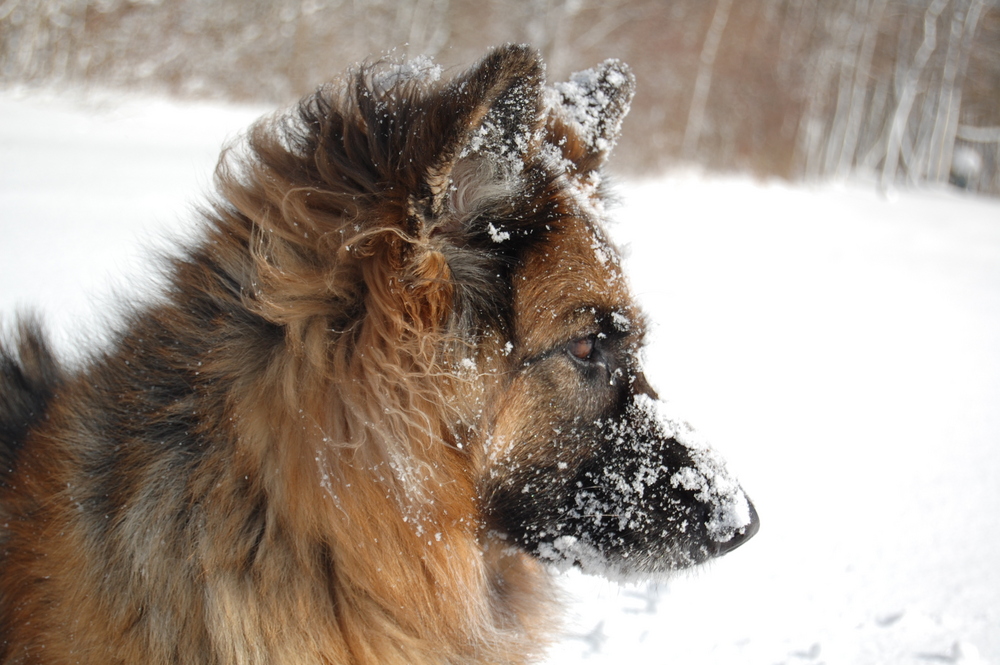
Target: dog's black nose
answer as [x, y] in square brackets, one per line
[743, 536]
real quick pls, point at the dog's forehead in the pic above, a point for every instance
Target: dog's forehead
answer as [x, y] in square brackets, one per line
[576, 269]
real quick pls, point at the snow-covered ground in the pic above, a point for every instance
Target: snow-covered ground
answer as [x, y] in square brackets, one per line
[841, 348]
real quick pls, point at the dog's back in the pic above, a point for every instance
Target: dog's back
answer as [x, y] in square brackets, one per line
[29, 375]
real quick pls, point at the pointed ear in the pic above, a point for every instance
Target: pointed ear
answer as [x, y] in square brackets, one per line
[480, 128]
[492, 111]
[586, 113]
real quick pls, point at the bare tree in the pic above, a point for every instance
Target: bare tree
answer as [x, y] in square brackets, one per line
[703, 82]
[870, 20]
[908, 94]
[789, 87]
[950, 95]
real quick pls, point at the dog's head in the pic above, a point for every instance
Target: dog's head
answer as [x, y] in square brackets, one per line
[458, 238]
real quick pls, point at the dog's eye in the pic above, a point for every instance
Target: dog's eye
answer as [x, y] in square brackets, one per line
[583, 348]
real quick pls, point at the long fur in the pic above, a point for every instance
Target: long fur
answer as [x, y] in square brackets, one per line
[292, 457]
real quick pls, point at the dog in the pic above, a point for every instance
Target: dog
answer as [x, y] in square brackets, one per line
[392, 388]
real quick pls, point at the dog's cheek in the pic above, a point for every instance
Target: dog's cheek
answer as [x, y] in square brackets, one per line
[534, 455]
[553, 434]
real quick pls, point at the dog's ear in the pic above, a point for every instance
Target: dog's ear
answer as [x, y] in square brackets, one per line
[491, 114]
[462, 144]
[586, 113]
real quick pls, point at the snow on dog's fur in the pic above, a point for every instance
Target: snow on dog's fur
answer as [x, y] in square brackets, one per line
[392, 386]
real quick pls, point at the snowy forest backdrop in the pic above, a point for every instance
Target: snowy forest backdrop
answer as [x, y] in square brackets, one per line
[902, 90]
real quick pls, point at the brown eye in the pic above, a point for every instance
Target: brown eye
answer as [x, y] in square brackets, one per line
[582, 348]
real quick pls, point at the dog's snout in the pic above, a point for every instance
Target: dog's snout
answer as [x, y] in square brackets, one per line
[742, 535]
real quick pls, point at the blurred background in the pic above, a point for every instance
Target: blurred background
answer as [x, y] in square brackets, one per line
[905, 91]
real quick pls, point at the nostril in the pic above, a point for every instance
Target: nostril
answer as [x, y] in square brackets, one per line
[743, 535]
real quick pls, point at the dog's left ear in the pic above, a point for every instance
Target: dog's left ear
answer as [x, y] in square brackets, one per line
[586, 113]
[491, 114]
[469, 140]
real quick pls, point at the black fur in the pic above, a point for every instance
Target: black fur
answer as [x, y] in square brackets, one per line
[29, 376]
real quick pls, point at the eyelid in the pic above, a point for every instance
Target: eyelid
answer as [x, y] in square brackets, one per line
[583, 348]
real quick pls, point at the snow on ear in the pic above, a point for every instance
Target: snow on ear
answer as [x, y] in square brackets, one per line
[493, 116]
[586, 113]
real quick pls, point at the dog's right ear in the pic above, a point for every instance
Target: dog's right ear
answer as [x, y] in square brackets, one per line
[491, 113]
[586, 114]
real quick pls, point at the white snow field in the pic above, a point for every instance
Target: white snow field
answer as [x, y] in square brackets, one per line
[841, 348]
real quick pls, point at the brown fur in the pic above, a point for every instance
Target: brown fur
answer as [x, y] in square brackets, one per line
[302, 454]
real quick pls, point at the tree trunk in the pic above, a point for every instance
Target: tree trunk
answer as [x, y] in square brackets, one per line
[859, 93]
[703, 82]
[908, 94]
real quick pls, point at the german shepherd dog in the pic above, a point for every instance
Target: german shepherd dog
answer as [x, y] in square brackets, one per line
[394, 385]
